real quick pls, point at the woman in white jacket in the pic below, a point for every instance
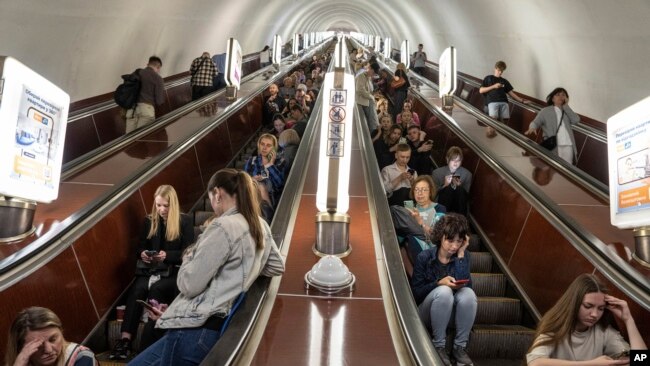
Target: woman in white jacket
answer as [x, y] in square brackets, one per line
[233, 251]
[549, 119]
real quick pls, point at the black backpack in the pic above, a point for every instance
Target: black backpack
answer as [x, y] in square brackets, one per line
[126, 95]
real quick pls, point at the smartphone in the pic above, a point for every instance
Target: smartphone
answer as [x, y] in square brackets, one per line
[460, 282]
[456, 176]
[409, 204]
[411, 171]
[150, 253]
[429, 142]
[270, 155]
[146, 305]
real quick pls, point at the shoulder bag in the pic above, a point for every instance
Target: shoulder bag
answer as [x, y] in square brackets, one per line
[395, 84]
[550, 142]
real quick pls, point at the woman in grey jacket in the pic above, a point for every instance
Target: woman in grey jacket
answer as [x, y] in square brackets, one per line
[549, 119]
[233, 251]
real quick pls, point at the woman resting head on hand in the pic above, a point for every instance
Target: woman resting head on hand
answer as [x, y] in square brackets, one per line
[578, 330]
[36, 338]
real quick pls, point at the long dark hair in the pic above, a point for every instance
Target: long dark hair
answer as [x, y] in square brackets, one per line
[239, 184]
[560, 321]
[559, 89]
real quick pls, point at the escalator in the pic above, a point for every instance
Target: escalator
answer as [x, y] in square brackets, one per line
[79, 260]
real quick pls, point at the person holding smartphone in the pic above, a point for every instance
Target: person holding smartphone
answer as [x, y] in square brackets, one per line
[453, 182]
[398, 177]
[234, 250]
[441, 283]
[166, 232]
[496, 89]
[267, 169]
[557, 120]
[579, 328]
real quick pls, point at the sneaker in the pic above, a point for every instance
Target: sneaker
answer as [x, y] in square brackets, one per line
[121, 351]
[462, 359]
[444, 357]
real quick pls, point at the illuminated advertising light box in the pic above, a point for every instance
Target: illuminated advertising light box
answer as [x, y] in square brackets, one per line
[233, 63]
[33, 120]
[447, 72]
[628, 147]
[296, 39]
[277, 49]
[405, 56]
[387, 47]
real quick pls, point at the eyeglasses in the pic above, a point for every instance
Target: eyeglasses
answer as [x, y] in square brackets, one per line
[421, 190]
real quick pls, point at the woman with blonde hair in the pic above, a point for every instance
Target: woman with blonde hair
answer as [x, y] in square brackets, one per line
[232, 252]
[36, 339]
[166, 233]
[578, 329]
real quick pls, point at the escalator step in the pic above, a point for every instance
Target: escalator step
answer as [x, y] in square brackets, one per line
[489, 284]
[498, 310]
[239, 164]
[201, 216]
[114, 334]
[481, 262]
[207, 206]
[499, 341]
[474, 243]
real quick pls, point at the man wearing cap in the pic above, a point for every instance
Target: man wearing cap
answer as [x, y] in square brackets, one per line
[365, 98]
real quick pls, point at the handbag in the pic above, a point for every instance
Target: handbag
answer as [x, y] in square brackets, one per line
[395, 84]
[550, 142]
[143, 268]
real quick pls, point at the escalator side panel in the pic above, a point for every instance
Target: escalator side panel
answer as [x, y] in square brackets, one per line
[179, 95]
[109, 124]
[80, 137]
[593, 159]
[107, 252]
[214, 151]
[59, 286]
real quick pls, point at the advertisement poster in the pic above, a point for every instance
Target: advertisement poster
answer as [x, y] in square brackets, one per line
[447, 72]
[628, 145]
[33, 121]
[36, 146]
[233, 63]
[633, 167]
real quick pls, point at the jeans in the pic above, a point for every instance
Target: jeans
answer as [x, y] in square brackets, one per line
[178, 347]
[499, 110]
[436, 310]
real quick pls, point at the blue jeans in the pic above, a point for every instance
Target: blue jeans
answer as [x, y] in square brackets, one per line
[499, 110]
[178, 347]
[436, 310]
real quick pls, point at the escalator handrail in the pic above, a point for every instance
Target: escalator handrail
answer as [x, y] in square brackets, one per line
[25, 261]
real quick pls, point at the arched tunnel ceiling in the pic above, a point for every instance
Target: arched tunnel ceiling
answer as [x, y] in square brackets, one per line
[597, 49]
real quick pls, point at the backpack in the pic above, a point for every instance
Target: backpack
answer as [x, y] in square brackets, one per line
[126, 95]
